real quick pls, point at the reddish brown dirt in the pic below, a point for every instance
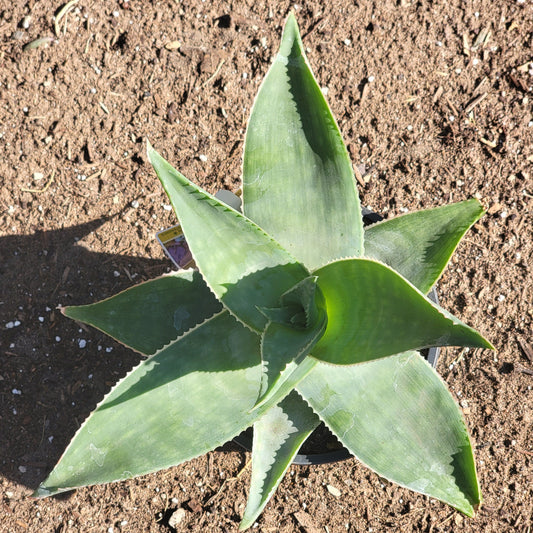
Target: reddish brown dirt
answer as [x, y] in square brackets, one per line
[436, 124]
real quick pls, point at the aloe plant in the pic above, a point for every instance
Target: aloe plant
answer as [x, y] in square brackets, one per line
[297, 314]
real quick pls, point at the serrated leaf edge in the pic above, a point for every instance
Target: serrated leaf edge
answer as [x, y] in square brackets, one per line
[381, 474]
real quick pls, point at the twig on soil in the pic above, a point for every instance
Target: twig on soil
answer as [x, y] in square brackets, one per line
[214, 75]
[38, 191]
[62, 12]
[521, 368]
[88, 42]
[469, 108]
[234, 478]
[447, 519]
[523, 451]
[526, 348]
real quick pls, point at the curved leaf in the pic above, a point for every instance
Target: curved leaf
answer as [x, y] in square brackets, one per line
[298, 182]
[148, 316]
[373, 312]
[243, 265]
[285, 344]
[419, 245]
[278, 435]
[187, 399]
[397, 417]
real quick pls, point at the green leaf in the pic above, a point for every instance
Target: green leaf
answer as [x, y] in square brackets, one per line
[419, 245]
[373, 312]
[190, 397]
[298, 182]
[278, 435]
[397, 417]
[285, 344]
[150, 315]
[243, 265]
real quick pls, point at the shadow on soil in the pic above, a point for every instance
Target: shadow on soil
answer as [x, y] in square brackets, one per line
[52, 370]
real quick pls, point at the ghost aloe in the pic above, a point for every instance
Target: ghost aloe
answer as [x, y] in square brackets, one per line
[296, 314]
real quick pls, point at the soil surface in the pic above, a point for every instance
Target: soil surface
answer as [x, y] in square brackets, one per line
[433, 99]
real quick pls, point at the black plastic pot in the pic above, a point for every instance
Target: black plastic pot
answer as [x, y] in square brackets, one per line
[431, 355]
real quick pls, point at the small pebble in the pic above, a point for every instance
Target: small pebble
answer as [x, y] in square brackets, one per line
[167, 207]
[38, 176]
[371, 79]
[116, 273]
[334, 491]
[177, 517]
[202, 157]
[41, 319]
[58, 338]
[16, 392]
[135, 204]
[82, 343]
[22, 469]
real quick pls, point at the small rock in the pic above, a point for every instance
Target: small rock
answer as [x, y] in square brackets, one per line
[38, 176]
[177, 517]
[334, 491]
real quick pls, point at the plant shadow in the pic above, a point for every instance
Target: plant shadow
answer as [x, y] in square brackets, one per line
[52, 370]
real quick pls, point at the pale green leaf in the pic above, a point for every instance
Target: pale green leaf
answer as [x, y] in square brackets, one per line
[374, 312]
[419, 245]
[187, 399]
[285, 344]
[278, 435]
[244, 266]
[397, 417]
[148, 316]
[298, 182]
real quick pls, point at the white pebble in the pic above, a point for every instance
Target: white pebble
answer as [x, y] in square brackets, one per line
[501, 297]
[347, 42]
[82, 343]
[109, 349]
[371, 79]
[334, 491]
[135, 204]
[22, 469]
[116, 14]
[202, 157]
[116, 273]
[167, 207]
[451, 118]
[50, 439]
[41, 319]
[58, 338]
[16, 392]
